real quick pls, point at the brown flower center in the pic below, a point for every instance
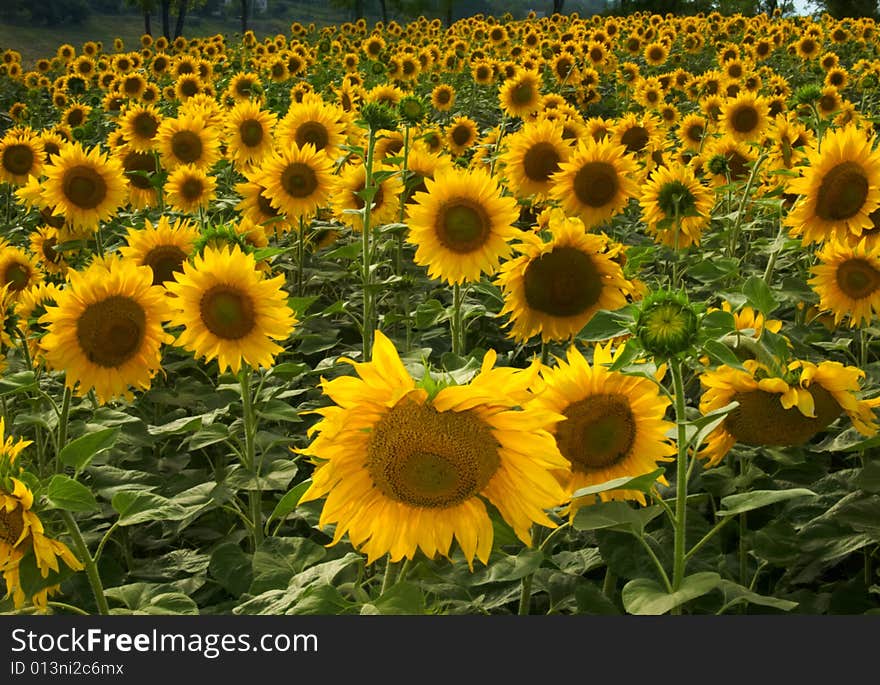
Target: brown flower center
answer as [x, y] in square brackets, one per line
[842, 193]
[139, 162]
[760, 418]
[299, 180]
[11, 526]
[314, 133]
[564, 282]
[425, 458]
[227, 312]
[251, 132]
[187, 146]
[858, 278]
[84, 187]
[744, 119]
[145, 125]
[635, 138]
[541, 161]
[463, 226]
[110, 332]
[596, 184]
[18, 159]
[165, 261]
[598, 432]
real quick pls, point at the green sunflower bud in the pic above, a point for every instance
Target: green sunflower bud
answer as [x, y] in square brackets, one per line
[667, 324]
[412, 110]
[807, 94]
[219, 236]
[378, 116]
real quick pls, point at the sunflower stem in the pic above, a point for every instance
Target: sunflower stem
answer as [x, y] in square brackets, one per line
[737, 222]
[366, 253]
[300, 257]
[388, 577]
[525, 593]
[456, 323]
[91, 567]
[67, 607]
[771, 263]
[62, 427]
[250, 455]
[609, 584]
[681, 473]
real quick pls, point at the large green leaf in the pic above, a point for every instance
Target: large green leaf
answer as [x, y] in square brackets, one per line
[65, 493]
[646, 597]
[136, 507]
[78, 453]
[642, 483]
[747, 501]
[615, 514]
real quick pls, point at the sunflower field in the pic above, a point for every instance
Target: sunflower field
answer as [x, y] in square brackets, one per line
[557, 315]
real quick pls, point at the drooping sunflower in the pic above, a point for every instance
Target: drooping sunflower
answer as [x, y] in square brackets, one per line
[44, 244]
[596, 182]
[22, 532]
[187, 139]
[676, 207]
[297, 180]
[256, 207]
[249, 133]
[188, 188]
[520, 96]
[385, 203]
[21, 156]
[229, 310]
[85, 187]
[782, 411]
[29, 308]
[461, 135]
[840, 188]
[106, 330]
[140, 124]
[162, 247]
[614, 424]
[18, 270]
[847, 280]
[312, 122]
[403, 471]
[461, 225]
[533, 155]
[554, 288]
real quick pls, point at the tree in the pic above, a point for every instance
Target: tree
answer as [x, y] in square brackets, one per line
[840, 9]
[244, 14]
[147, 7]
[182, 6]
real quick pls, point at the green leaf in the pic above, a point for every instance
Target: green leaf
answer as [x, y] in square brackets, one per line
[78, 453]
[289, 502]
[705, 424]
[607, 324]
[429, 313]
[869, 477]
[509, 567]
[31, 579]
[747, 501]
[642, 483]
[759, 295]
[615, 514]
[645, 597]
[278, 410]
[280, 559]
[722, 354]
[402, 598]
[70, 495]
[142, 507]
[232, 568]
[22, 381]
[187, 424]
[734, 594]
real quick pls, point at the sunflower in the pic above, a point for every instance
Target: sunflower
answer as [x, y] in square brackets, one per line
[297, 180]
[189, 188]
[638, 134]
[655, 53]
[443, 97]
[744, 117]
[596, 182]
[106, 330]
[21, 156]
[229, 310]
[312, 122]
[461, 225]
[347, 204]
[421, 165]
[554, 288]
[614, 424]
[140, 169]
[787, 138]
[839, 188]
[676, 207]
[402, 470]
[691, 131]
[29, 308]
[22, 532]
[461, 134]
[249, 133]
[256, 207]
[782, 409]
[727, 161]
[75, 115]
[44, 244]
[188, 139]
[140, 124]
[533, 155]
[18, 270]
[163, 247]
[521, 95]
[847, 280]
